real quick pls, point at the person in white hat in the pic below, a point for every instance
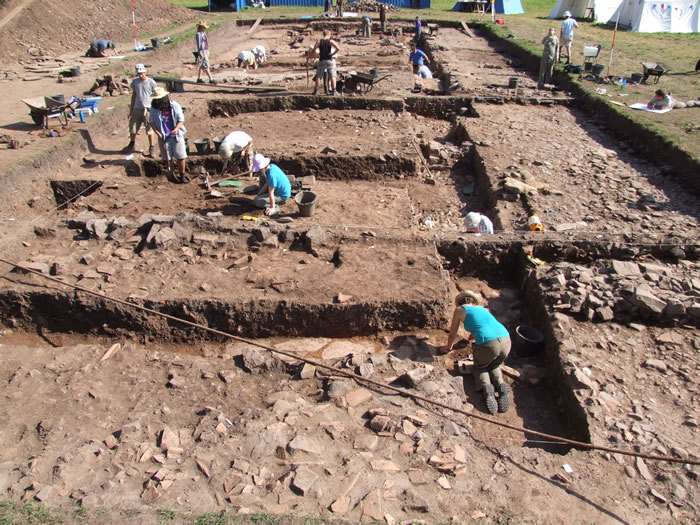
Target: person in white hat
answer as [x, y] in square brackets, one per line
[142, 88]
[240, 144]
[246, 59]
[491, 347]
[260, 54]
[566, 35]
[202, 41]
[275, 187]
[478, 223]
[168, 123]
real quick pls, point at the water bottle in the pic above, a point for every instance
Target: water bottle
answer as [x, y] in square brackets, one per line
[624, 82]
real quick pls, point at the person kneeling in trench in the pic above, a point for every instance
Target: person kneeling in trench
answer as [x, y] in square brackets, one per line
[492, 345]
[273, 182]
[168, 122]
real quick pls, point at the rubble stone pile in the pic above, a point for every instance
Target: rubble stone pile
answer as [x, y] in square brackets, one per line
[624, 291]
[368, 6]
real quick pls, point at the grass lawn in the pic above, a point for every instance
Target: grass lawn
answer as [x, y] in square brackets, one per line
[676, 51]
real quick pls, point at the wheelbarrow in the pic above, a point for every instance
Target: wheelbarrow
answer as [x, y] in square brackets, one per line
[364, 81]
[42, 109]
[650, 69]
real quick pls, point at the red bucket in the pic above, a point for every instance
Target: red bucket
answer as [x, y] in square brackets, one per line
[500, 21]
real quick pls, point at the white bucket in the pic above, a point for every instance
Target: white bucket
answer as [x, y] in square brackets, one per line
[590, 51]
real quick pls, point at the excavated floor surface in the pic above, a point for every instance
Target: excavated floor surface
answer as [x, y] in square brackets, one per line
[174, 420]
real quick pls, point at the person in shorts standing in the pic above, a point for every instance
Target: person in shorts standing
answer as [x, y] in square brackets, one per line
[566, 35]
[325, 49]
[202, 41]
[168, 122]
[142, 88]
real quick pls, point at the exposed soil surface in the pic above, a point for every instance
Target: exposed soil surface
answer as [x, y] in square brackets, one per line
[177, 418]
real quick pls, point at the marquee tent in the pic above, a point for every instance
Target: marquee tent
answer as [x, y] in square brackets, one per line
[645, 16]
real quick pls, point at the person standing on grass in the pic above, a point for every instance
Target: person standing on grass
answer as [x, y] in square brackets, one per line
[490, 349]
[566, 35]
[202, 41]
[142, 89]
[549, 56]
[168, 123]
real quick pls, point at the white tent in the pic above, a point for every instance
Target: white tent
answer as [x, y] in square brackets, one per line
[645, 16]
[651, 16]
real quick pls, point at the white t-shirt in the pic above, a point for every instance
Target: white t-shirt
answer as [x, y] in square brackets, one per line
[567, 28]
[237, 140]
[246, 56]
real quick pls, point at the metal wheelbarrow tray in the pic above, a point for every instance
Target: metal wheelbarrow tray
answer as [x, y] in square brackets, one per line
[651, 69]
[42, 109]
[364, 81]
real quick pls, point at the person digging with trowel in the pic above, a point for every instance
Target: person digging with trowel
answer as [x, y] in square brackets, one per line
[490, 349]
[238, 146]
[168, 122]
[274, 186]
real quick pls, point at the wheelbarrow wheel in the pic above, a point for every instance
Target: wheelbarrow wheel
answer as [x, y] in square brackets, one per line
[38, 118]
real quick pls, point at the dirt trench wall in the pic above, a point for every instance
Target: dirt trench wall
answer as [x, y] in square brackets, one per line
[230, 108]
[444, 108]
[83, 313]
[323, 167]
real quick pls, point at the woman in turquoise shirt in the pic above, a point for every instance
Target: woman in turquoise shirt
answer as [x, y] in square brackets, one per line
[491, 347]
[274, 186]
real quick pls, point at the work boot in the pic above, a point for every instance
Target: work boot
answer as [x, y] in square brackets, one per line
[314, 93]
[491, 403]
[129, 148]
[184, 179]
[332, 92]
[151, 152]
[200, 81]
[503, 397]
[212, 81]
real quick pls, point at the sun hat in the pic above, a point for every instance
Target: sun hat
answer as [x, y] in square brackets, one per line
[140, 68]
[203, 24]
[260, 162]
[567, 14]
[462, 297]
[159, 92]
[472, 219]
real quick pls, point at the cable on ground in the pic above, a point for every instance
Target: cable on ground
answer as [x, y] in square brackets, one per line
[360, 379]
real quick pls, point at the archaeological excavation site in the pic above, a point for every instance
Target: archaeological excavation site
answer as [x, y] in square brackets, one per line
[172, 353]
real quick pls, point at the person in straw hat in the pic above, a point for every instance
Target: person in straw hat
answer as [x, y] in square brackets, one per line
[273, 184]
[490, 349]
[202, 41]
[168, 122]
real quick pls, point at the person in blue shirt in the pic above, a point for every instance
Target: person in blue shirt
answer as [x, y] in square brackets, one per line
[275, 187]
[419, 28]
[417, 58]
[491, 347]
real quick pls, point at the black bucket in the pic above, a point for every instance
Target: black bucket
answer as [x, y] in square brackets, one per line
[202, 146]
[588, 66]
[306, 201]
[598, 69]
[529, 339]
[513, 82]
[75, 71]
[636, 78]
[155, 42]
[217, 143]
[576, 70]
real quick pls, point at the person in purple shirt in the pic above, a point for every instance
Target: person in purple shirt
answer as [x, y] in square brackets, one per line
[168, 122]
